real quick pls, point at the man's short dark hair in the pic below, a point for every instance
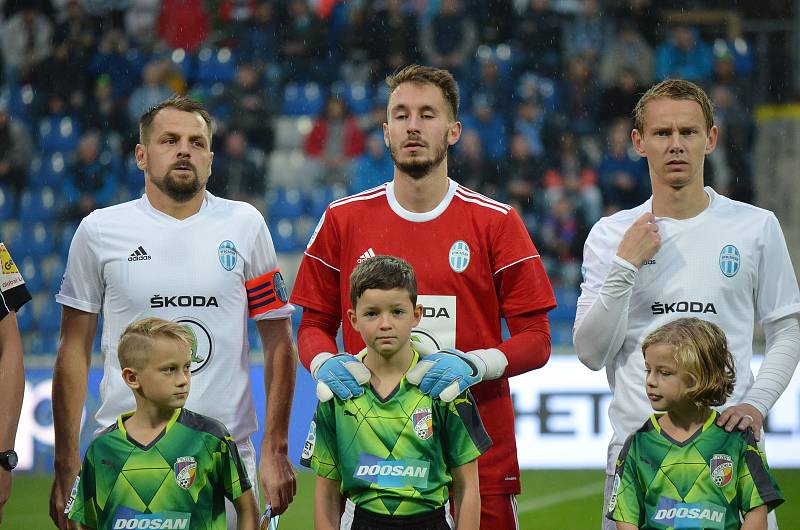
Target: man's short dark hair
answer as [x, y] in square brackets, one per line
[442, 79]
[182, 103]
[385, 273]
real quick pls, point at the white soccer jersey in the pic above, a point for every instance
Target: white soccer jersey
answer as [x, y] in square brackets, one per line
[728, 265]
[207, 271]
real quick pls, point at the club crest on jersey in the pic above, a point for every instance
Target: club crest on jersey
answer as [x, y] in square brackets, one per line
[721, 469]
[729, 260]
[185, 471]
[423, 423]
[227, 255]
[459, 256]
[202, 342]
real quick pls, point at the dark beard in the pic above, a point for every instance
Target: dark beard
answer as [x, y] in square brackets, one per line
[179, 191]
[417, 169]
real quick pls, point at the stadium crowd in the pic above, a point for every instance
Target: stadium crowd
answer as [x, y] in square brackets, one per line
[547, 88]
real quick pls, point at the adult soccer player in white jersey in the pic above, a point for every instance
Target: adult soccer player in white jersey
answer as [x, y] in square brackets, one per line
[687, 251]
[179, 253]
[475, 263]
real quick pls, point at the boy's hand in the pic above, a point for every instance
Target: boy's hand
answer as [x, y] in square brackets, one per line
[449, 372]
[340, 374]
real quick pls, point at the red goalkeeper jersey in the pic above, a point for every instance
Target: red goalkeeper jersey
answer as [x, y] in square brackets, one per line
[460, 252]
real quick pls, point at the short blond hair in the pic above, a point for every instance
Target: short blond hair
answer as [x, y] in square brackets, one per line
[674, 89]
[440, 78]
[136, 342]
[701, 350]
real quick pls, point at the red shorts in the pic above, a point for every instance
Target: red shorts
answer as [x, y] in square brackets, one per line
[499, 511]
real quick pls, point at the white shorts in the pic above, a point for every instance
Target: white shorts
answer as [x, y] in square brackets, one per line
[248, 455]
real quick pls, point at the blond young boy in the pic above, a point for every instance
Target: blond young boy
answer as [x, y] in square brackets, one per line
[393, 452]
[161, 465]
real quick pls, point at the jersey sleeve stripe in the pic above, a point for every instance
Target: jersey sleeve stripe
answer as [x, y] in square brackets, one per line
[263, 295]
[481, 203]
[321, 261]
[534, 256]
[365, 196]
[469, 193]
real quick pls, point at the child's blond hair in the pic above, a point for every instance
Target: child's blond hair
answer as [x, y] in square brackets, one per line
[701, 350]
[136, 342]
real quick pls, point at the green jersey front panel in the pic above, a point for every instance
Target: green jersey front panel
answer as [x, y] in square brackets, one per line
[180, 480]
[393, 455]
[708, 481]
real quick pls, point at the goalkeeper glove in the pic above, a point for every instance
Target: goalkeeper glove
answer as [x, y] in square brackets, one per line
[447, 373]
[340, 374]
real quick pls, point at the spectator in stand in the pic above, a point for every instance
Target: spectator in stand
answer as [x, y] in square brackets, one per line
[396, 46]
[107, 115]
[251, 109]
[521, 178]
[152, 91]
[624, 179]
[334, 141]
[259, 42]
[242, 180]
[449, 38]
[68, 66]
[25, 40]
[644, 16]
[372, 168]
[141, 22]
[590, 32]
[731, 160]
[628, 51]
[470, 165]
[78, 30]
[738, 48]
[490, 127]
[581, 97]
[355, 46]
[620, 97]
[561, 241]
[113, 59]
[530, 121]
[233, 17]
[575, 177]
[491, 83]
[16, 152]
[684, 56]
[183, 24]
[91, 180]
[537, 34]
[303, 43]
[726, 75]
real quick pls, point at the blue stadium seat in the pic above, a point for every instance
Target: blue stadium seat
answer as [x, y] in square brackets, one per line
[7, 204]
[283, 202]
[567, 300]
[34, 280]
[25, 319]
[37, 205]
[561, 333]
[185, 62]
[302, 99]
[49, 318]
[318, 200]
[215, 65]
[35, 240]
[544, 89]
[44, 343]
[65, 238]
[20, 101]
[283, 236]
[358, 96]
[48, 170]
[58, 133]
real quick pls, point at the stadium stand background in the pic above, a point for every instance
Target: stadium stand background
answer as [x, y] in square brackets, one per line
[296, 89]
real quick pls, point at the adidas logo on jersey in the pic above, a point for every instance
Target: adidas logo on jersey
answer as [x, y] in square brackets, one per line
[140, 254]
[366, 255]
